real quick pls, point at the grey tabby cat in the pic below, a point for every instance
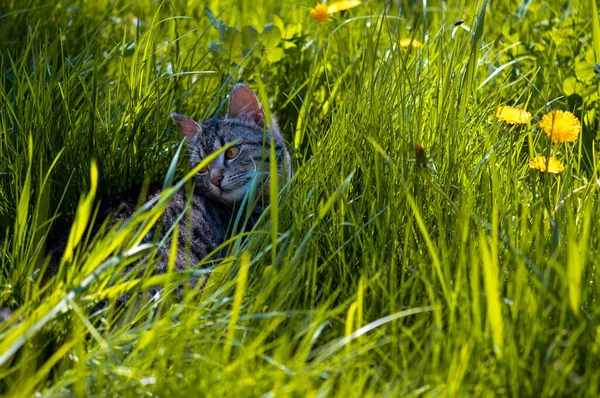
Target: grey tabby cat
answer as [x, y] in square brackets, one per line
[219, 188]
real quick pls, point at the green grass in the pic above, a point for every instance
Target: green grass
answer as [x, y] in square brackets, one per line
[474, 275]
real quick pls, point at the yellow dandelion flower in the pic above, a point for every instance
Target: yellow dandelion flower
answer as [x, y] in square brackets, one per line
[342, 5]
[512, 115]
[409, 41]
[553, 166]
[319, 13]
[561, 126]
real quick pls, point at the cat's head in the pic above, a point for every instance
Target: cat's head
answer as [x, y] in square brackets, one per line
[231, 175]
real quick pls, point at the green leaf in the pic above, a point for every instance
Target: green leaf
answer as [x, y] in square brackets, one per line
[214, 21]
[249, 36]
[584, 70]
[271, 36]
[232, 40]
[278, 22]
[216, 48]
[569, 86]
[275, 55]
[572, 86]
[287, 31]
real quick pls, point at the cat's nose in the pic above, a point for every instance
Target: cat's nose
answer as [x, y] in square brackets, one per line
[216, 180]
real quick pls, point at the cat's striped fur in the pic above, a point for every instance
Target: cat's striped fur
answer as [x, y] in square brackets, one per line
[219, 189]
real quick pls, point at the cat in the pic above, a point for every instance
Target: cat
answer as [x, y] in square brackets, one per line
[219, 188]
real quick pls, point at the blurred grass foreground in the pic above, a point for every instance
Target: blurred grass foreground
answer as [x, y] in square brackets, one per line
[439, 237]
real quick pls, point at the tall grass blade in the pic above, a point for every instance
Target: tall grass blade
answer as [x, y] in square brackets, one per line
[82, 217]
[492, 294]
[240, 288]
[596, 30]
[469, 76]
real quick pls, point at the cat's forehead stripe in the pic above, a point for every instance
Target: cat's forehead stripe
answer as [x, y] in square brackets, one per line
[227, 130]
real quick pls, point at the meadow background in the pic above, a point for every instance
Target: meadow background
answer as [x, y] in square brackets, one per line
[414, 253]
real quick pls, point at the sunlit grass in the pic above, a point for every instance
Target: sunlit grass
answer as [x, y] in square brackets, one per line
[415, 251]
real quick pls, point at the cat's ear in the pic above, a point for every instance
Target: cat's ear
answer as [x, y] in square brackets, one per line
[243, 103]
[188, 127]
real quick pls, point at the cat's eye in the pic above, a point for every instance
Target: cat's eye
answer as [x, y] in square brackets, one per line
[203, 170]
[232, 152]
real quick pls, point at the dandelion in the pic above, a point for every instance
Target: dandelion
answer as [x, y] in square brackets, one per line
[321, 12]
[342, 6]
[512, 115]
[561, 126]
[409, 41]
[553, 166]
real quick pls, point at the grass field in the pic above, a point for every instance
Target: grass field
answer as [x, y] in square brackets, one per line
[416, 251]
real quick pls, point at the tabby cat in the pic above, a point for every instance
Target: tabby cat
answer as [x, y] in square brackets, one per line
[219, 188]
